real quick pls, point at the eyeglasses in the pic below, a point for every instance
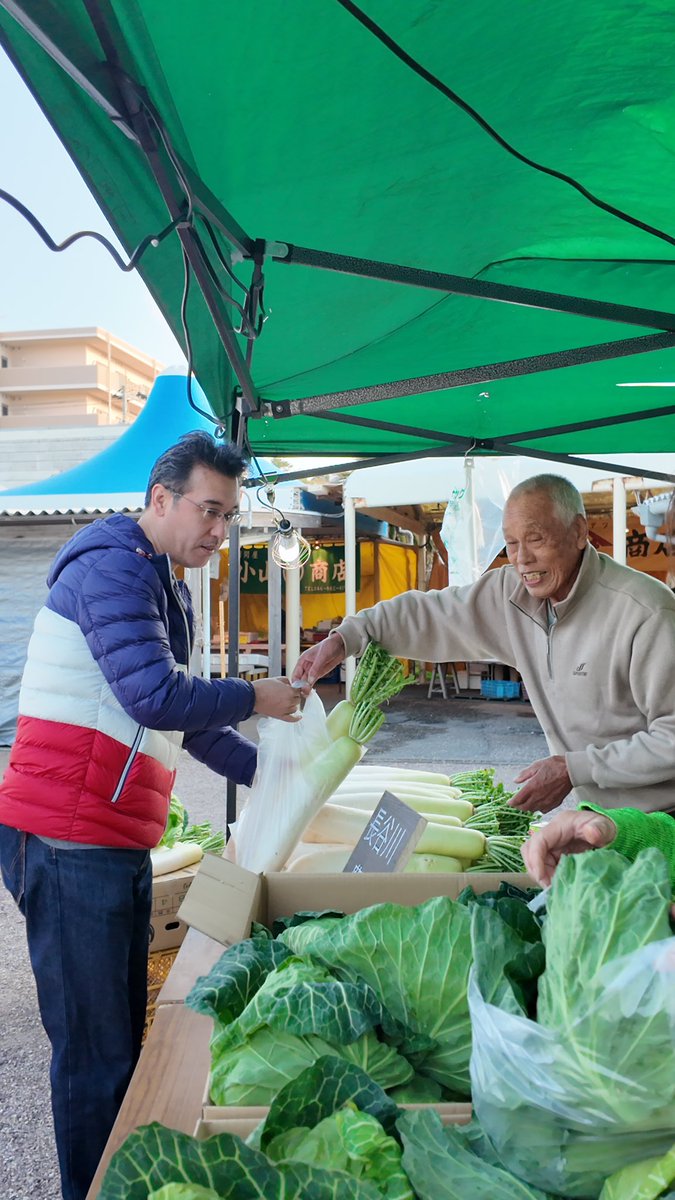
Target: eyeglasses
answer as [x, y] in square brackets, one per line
[211, 515]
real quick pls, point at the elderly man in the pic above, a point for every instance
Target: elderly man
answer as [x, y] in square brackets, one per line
[594, 642]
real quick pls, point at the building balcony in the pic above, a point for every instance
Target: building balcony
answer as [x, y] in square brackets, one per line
[17, 381]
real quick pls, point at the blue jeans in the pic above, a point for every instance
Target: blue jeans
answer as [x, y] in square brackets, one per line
[87, 924]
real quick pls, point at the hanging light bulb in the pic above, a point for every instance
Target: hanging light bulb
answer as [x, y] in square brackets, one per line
[288, 547]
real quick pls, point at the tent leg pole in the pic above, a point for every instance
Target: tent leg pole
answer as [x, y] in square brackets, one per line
[350, 577]
[292, 618]
[619, 520]
[206, 621]
[274, 638]
[233, 648]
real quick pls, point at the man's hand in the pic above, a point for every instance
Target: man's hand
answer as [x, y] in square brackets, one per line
[320, 660]
[566, 833]
[276, 698]
[546, 783]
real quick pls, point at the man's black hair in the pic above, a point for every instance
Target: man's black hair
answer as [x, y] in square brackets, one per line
[197, 449]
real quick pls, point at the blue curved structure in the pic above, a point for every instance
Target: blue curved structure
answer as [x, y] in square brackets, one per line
[124, 467]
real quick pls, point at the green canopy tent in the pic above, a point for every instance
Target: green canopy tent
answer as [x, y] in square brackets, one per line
[444, 228]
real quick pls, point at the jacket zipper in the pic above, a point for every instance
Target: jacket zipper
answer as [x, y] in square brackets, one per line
[552, 622]
[174, 588]
[128, 764]
[141, 729]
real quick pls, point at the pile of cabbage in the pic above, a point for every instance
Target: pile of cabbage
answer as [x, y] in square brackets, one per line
[559, 1022]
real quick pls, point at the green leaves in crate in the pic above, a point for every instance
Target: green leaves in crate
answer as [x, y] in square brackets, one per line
[154, 1158]
[441, 1167]
[322, 1089]
[236, 977]
[416, 960]
[299, 1014]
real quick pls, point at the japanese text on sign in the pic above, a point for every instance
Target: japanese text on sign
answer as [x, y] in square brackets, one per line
[388, 839]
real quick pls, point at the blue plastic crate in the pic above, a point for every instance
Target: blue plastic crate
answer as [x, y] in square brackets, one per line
[499, 689]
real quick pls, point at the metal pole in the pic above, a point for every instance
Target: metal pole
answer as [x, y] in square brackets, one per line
[274, 637]
[473, 549]
[619, 520]
[292, 618]
[350, 577]
[206, 621]
[233, 646]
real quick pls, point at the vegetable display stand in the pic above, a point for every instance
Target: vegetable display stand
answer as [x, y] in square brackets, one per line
[242, 1121]
[168, 1083]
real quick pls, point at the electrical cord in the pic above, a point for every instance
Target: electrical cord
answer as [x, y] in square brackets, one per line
[220, 431]
[247, 329]
[152, 239]
[471, 112]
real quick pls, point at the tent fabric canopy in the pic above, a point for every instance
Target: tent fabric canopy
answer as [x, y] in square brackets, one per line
[295, 126]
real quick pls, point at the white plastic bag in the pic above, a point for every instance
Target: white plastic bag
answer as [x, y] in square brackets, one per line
[472, 524]
[284, 797]
[563, 1111]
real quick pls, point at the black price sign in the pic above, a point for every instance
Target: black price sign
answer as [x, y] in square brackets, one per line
[388, 839]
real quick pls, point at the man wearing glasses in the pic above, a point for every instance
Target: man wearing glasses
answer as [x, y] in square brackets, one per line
[107, 701]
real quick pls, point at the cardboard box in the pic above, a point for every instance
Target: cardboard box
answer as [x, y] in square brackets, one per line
[168, 892]
[225, 899]
[242, 1121]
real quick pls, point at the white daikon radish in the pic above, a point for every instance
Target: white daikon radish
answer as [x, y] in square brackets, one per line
[336, 824]
[352, 786]
[433, 864]
[318, 860]
[458, 843]
[174, 858]
[411, 773]
[460, 810]
[368, 805]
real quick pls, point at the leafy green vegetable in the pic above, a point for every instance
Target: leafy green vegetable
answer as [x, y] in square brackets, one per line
[299, 1013]
[176, 823]
[416, 960]
[235, 978]
[184, 1191]
[252, 1072]
[301, 997]
[420, 1090]
[440, 1167]
[301, 917]
[179, 829]
[642, 1181]
[153, 1157]
[506, 964]
[321, 1090]
[590, 1086]
[212, 841]
[350, 1141]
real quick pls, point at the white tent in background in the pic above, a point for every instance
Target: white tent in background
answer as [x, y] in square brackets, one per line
[433, 480]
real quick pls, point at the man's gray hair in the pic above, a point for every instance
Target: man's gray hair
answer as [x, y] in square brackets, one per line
[563, 494]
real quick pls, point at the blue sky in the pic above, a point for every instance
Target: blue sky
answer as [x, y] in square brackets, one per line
[81, 286]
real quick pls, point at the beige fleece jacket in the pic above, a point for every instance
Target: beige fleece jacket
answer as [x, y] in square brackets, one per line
[601, 680]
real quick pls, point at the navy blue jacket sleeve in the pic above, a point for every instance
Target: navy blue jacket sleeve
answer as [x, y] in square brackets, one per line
[119, 609]
[226, 752]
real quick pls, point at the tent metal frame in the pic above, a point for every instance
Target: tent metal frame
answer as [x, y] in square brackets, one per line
[121, 98]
